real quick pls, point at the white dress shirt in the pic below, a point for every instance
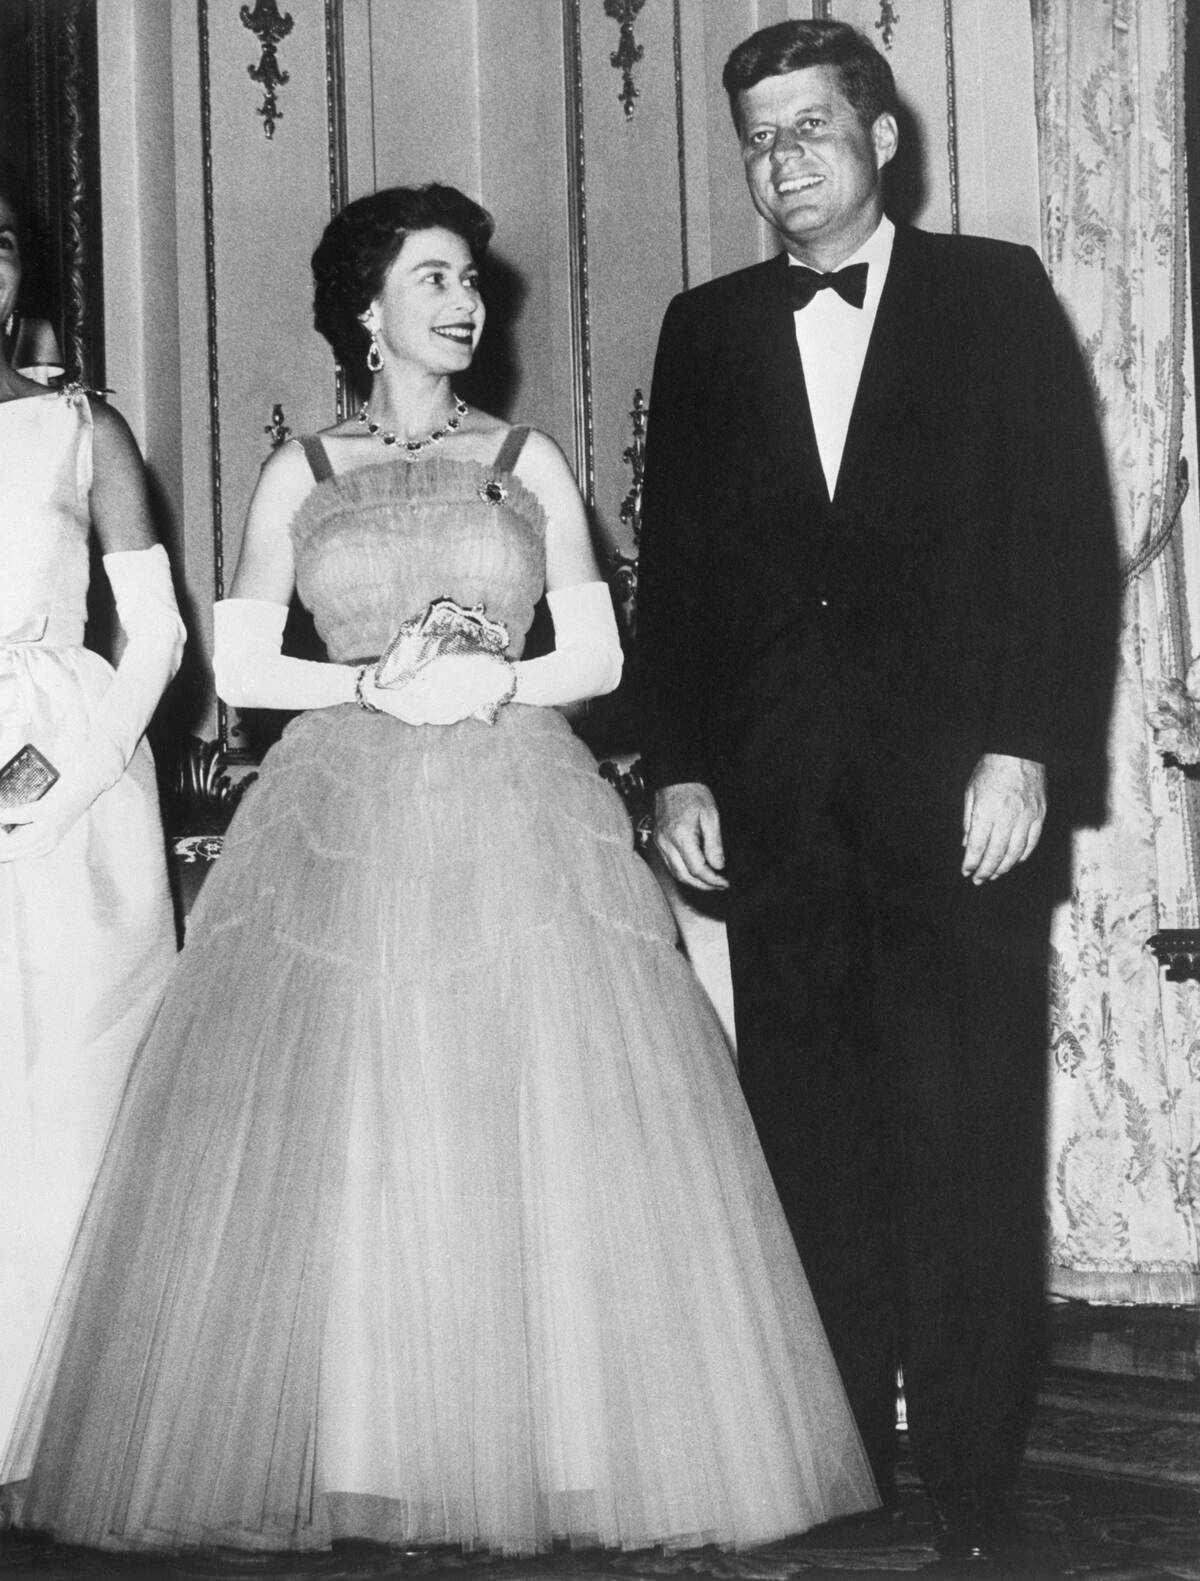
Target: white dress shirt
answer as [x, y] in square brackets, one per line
[832, 337]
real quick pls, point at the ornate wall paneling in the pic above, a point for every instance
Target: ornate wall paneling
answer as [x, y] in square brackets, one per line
[968, 156]
[271, 155]
[474, 92]
[49, 82]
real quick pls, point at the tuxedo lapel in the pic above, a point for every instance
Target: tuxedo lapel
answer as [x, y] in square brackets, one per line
[774, 387]
[903, 341]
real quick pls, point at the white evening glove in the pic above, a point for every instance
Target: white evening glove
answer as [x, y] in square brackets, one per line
[154, 638]
[250, 670]
[587, 656]
[586, 662]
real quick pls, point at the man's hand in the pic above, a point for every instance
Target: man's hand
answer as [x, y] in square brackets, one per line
[687, 832]
[1003, 813]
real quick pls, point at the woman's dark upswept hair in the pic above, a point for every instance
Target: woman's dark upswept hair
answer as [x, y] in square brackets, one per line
[35, 299]
[15, 193]
[865, 76]
[360, 245]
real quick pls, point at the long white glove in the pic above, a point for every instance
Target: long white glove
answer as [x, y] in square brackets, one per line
[251, 671]
[145, 600]
[249, 667]
[587, 658]
[586, 662]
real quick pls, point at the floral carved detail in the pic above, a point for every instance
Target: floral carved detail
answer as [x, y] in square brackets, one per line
[197, 793]
[277, 430]
[624, 567]
[628, 52]
[888, 17]
[268, 27]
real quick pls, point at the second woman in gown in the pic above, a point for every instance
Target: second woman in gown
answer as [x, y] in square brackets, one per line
[87, 931]
[433, 1213]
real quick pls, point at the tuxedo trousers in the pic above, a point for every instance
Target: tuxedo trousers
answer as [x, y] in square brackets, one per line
[892, 1041]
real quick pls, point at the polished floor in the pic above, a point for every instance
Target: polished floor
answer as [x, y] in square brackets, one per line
[1111, 1489]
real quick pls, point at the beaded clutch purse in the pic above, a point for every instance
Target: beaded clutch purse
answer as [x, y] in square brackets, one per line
[24, 778]
[444, 628]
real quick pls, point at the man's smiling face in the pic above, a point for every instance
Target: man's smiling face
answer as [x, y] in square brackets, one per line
[812, 166]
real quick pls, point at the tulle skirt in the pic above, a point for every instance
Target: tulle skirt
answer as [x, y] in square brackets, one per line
[87, 939]
[433, 1212]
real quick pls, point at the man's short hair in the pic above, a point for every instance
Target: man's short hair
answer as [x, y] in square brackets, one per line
[864, 75]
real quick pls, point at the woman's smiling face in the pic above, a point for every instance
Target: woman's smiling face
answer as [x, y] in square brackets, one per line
[429, 311]
[10, 260]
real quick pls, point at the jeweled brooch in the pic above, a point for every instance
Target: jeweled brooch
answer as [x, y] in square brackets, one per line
[492, 492]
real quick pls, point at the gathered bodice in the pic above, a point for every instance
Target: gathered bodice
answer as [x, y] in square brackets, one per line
[45, 478]
[374, 546]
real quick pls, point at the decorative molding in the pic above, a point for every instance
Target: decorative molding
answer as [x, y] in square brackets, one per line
[336, 137]
[628, 52]
[277, 431]
[581, 335]
[39, 111]
[268, 28]
[680, 138]
[951, 112]
[230, 753]
[62, 167]
[624, 574]
[886, 25]
[73, 199]
[634, 454]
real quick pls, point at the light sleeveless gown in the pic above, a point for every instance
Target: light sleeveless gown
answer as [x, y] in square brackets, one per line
[434, 1213]
[87, 934]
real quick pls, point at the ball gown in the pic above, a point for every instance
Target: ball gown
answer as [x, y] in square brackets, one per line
[433, 1212]
[87, 933]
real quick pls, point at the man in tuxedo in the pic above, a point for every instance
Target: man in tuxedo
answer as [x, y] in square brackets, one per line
[876, 620]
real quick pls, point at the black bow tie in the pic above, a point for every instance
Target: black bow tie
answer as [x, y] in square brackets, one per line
[850, 284]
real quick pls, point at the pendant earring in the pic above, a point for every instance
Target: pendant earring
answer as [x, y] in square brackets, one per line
[374, 356]
[9, 322]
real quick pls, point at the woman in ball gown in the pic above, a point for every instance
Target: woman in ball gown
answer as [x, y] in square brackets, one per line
[87, 934]
[433, 1213]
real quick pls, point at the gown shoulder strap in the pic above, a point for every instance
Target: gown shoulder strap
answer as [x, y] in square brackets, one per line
[318, 459]
[514, 443]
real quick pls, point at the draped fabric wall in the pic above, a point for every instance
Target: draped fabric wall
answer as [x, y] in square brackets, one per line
[1124, 1181]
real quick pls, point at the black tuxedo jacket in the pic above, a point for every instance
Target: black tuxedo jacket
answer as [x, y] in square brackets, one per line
[958, 594]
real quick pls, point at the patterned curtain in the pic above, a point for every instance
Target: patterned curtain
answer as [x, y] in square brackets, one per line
[1124, 1157]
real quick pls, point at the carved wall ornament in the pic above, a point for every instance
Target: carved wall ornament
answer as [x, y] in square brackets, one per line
[277, 431]
[888, 18]
[628, 52]
[634, 454]
[198, 794]
[268, 27]
[624, 572]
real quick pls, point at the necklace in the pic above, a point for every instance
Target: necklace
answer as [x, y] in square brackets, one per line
[410, 449]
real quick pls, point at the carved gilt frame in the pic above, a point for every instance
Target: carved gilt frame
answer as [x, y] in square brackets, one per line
[62, 168]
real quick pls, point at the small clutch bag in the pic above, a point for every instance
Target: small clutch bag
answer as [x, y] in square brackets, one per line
[444, 628]
[24, 778]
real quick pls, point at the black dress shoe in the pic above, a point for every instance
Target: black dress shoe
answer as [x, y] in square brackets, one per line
[962, 1531]
[982, 1533]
